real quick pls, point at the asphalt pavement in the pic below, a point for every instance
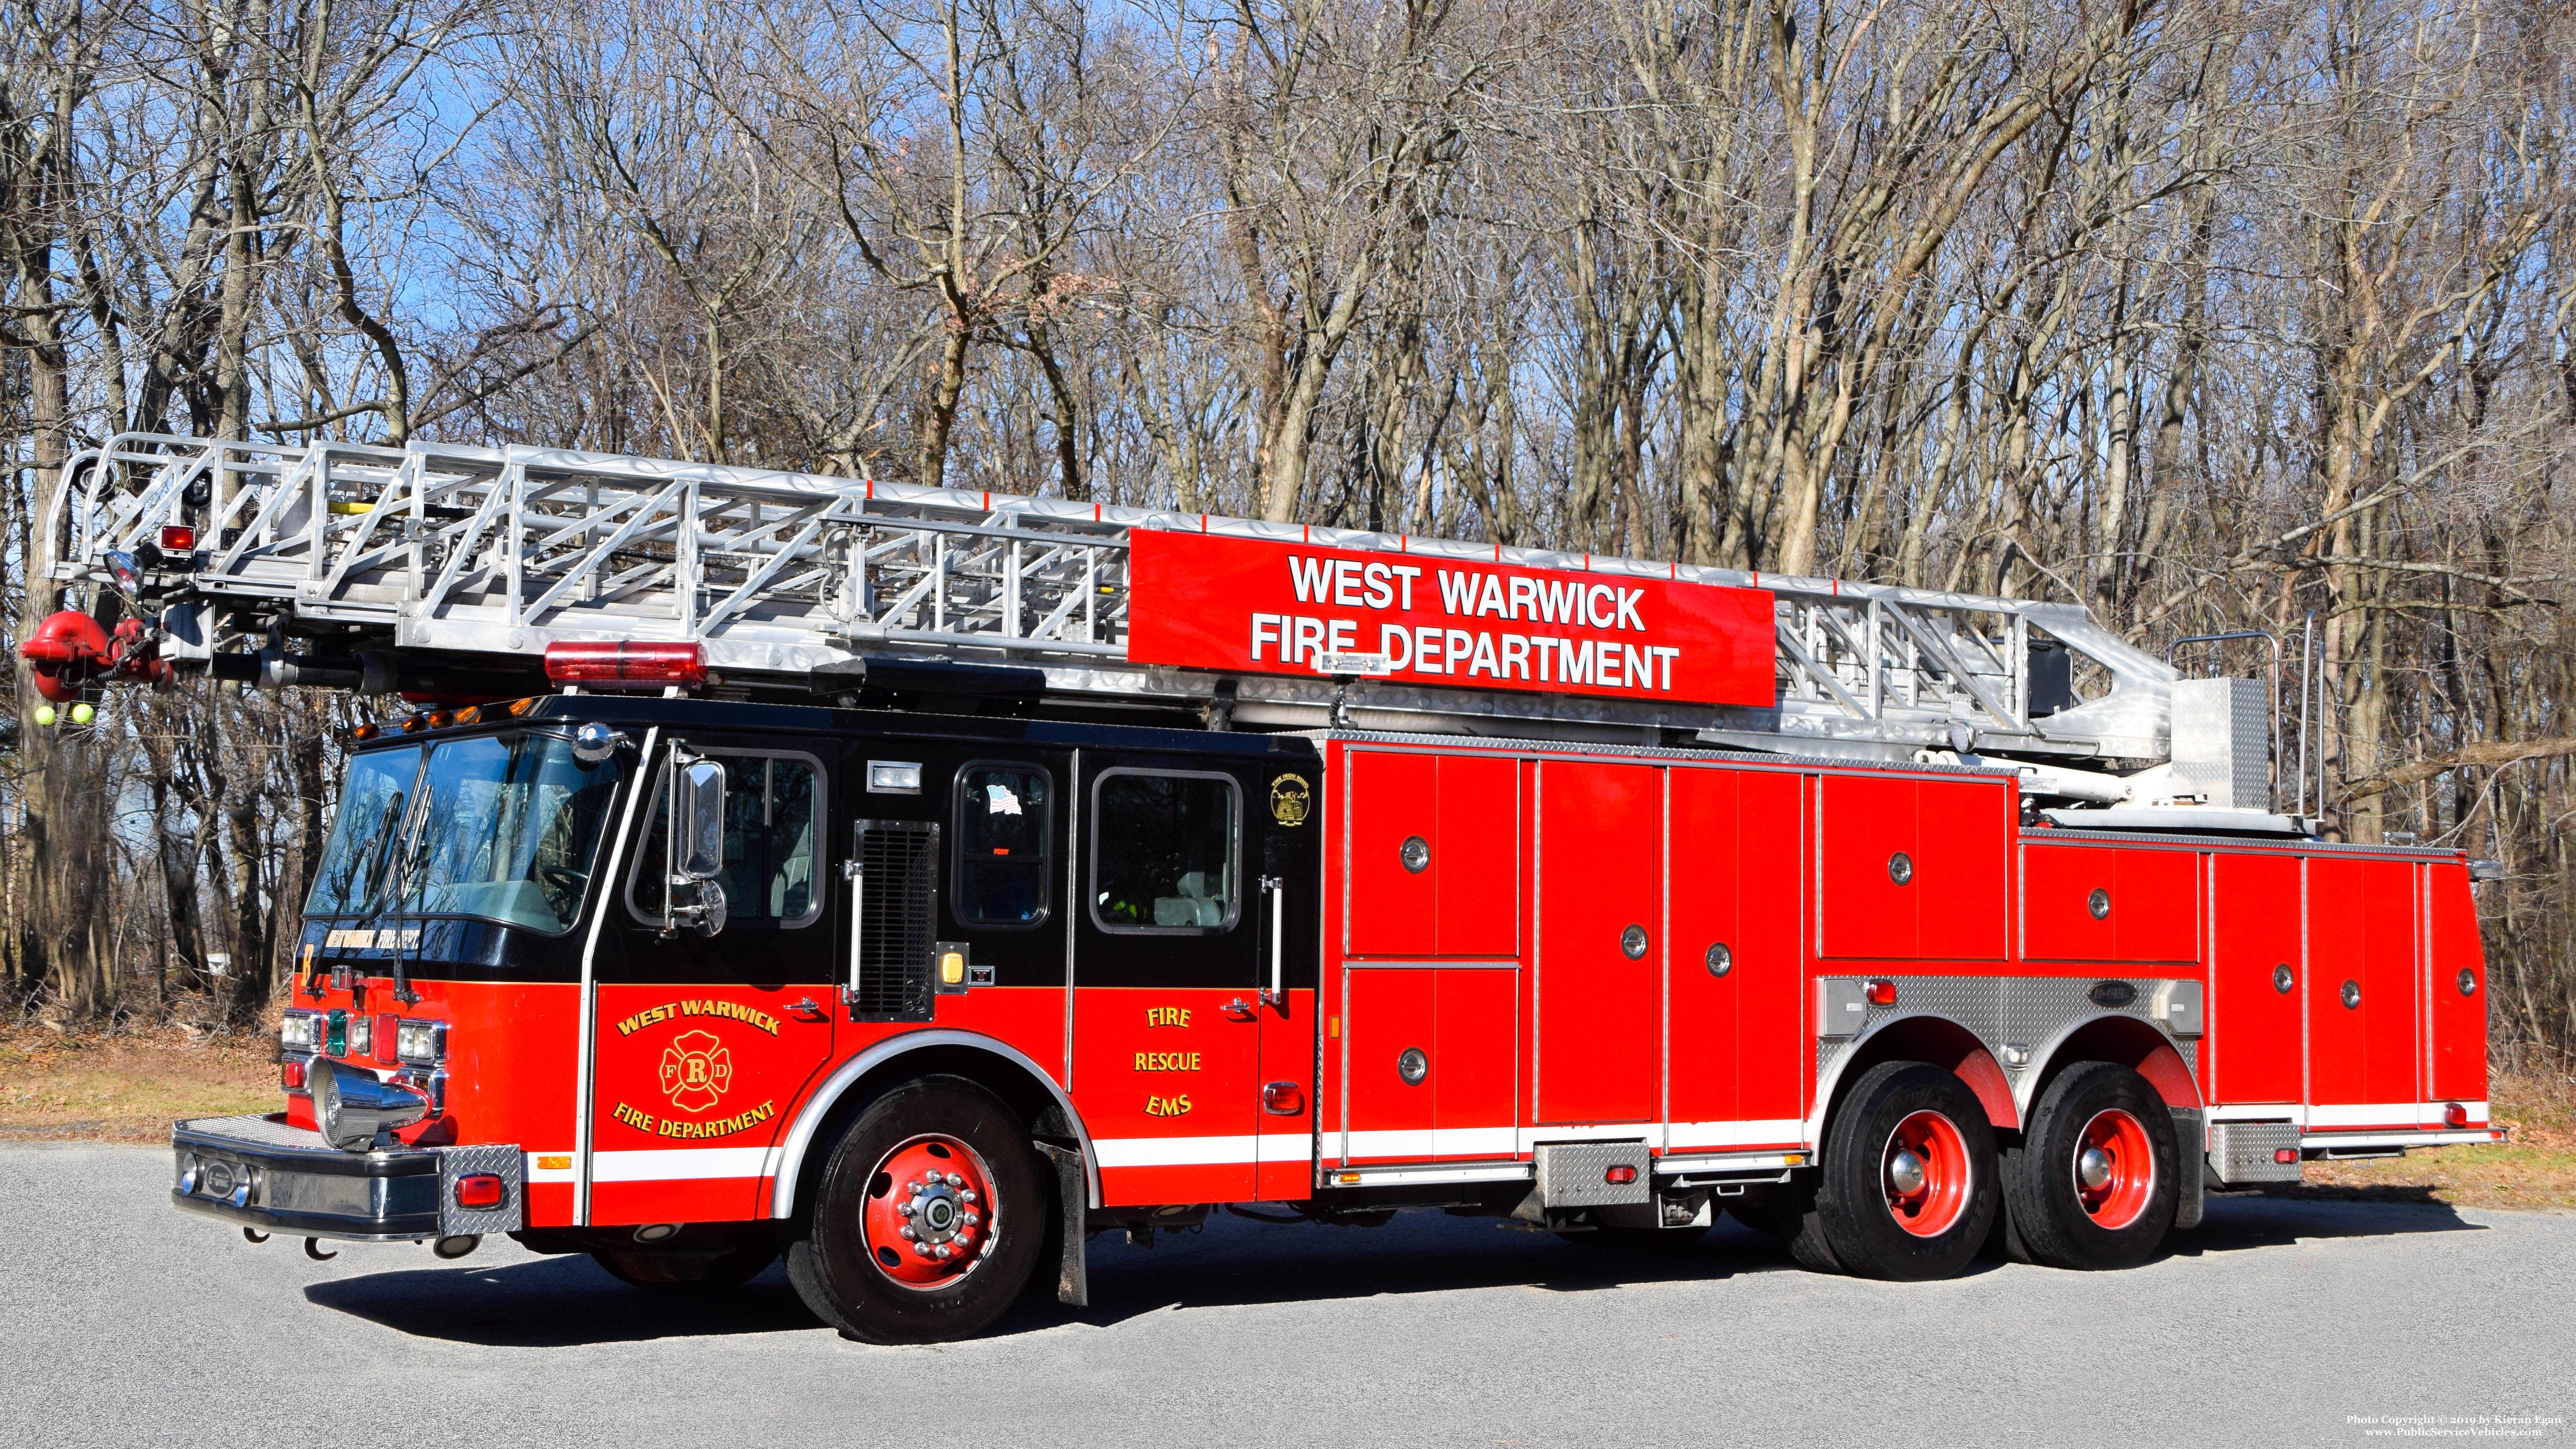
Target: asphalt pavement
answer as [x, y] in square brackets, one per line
[2278, 1322]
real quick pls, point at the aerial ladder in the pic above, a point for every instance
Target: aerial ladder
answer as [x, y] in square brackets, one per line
[441, 570]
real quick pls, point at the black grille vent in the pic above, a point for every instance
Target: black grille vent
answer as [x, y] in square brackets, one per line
[898, 914]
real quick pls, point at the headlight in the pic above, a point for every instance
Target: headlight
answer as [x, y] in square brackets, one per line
[421, 1043]
[299, 1031]
[359, 1035]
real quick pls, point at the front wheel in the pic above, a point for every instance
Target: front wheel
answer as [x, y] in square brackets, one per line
[928, 1220]
[2096, 1180]
[1909, 1185]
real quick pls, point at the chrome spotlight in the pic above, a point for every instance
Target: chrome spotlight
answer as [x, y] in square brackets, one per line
[352, 1108]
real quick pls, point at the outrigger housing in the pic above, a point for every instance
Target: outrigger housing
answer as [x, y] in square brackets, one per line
[913, 882]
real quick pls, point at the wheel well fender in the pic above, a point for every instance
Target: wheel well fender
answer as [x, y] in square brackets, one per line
[995, 1066]
[2126, 1041]
[1924, 1038]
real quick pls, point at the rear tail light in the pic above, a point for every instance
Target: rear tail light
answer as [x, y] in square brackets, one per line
[480, 1190]
[2285, 1155]
[1622, 1175]
[607, 664]
[1282, 1099]
[178, 538]
[1882, 993]
[2455, 1114]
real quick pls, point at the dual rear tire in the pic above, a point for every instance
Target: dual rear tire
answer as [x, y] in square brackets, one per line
[1911, 1186]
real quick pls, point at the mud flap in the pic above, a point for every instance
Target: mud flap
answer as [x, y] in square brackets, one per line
[2192, 1142]
[1073, 1189]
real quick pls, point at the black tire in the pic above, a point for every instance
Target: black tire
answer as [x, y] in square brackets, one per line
[1863, 1219]
[833, 1265]
[2056, 1225]
[687, 1273]
[1787, 1211]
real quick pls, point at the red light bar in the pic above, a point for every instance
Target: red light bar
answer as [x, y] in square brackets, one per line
[385, 1037]
[480, 1190]
[1620, 1175]
[178, 538]
[2285, 1155]
[610, 664]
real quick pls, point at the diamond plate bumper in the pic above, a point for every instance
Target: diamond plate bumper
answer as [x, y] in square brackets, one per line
[261, 1173]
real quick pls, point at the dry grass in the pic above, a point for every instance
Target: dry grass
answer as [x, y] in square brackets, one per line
[128, 1086]
[2534, 1169]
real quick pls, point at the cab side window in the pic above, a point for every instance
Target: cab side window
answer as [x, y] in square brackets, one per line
[1166, 851]
[769, 842]
[1005, 818]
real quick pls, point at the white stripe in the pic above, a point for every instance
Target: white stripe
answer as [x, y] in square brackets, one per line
[1605, 1132]
[1202, 1151]
[1173, 1151]
[2290, 1112]
[681, 1164]
[1753, 1133]
[1389, 1144]
[2369, 1114]
[1475, 1141]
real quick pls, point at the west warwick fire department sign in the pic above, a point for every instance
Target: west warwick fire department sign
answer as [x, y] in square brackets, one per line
[1207, 602]
[696, 1070]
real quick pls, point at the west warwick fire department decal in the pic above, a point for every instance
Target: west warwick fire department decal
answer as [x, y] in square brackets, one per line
[696, 1070]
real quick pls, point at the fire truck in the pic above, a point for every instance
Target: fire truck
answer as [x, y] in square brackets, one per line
[915, 883]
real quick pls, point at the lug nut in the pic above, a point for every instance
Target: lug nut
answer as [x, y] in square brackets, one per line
[972, 1218]
[943, 1251]
[922, 1248]
[967, 1196]
[906, 1231]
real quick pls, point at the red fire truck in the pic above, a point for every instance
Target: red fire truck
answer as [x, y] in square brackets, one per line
[913, 883]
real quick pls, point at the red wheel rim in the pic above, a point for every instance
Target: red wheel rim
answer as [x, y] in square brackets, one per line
[930, 1212]
[2115, 1169]
[1925, 1171]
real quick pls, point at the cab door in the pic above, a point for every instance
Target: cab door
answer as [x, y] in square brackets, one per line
[1168, 976]
[703, 1044]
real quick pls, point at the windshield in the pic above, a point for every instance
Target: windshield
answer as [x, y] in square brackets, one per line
[506, 832]
[372, 805]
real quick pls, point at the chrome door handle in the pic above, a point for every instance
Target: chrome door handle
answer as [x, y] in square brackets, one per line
[1239, 1009]
[808, 1010]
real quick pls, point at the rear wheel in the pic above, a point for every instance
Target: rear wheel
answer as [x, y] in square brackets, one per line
[928, 1220]
[1909, 1187]
[687, 1272]
[2095, 1181]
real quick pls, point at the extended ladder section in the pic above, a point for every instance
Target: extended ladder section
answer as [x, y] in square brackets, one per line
[464, 555]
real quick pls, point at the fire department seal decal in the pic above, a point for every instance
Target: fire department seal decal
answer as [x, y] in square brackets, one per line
[696, 1070]
[1290, 800]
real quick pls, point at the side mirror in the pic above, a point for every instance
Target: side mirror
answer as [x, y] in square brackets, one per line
[700, 809]
[696, 843]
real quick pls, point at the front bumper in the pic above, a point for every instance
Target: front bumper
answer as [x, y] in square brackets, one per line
[263, 1174]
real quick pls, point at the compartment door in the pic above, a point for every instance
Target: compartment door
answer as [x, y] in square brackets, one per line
[1600, 943]
[2255, 1049]
[2363, 1059]
[2456, 1006]
[1733, 1041]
